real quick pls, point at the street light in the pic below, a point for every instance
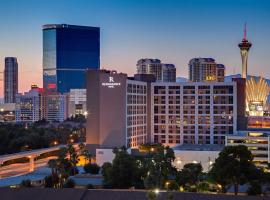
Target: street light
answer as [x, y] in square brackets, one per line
[167, 184]
[156, 191]
[85, 113]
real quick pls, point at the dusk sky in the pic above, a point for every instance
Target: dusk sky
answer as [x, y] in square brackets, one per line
[172, 30]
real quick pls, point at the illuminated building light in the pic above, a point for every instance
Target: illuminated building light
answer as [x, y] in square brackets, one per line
[256, 96]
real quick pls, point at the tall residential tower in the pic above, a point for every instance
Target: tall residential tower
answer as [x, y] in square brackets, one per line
[69, 50]
[205, 69]
[11, 79]
[162, 72]
[244, 48]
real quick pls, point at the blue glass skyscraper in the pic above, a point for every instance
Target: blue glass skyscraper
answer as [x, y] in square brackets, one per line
[69, 50]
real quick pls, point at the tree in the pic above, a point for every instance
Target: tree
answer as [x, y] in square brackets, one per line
[53, 165]
[255, 188]
[107, 173]
[173, 186]
[158, 165]
[91, 168]
[73, 158]
[233, 166]
[51, 181]
[63, 166]
[84, 152]
[190, 174]
[123, 172]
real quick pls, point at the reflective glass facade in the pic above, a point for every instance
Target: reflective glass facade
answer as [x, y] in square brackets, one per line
[68, 51]
[10, 79]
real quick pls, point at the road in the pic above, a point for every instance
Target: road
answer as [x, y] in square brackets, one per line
[21, 168]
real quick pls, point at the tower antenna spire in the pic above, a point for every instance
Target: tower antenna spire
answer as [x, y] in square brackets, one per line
[245, 31]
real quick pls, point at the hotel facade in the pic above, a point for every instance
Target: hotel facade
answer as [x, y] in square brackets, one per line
[129, 111]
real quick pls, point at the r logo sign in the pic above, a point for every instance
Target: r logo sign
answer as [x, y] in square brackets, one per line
[111, 79]
[111, 83]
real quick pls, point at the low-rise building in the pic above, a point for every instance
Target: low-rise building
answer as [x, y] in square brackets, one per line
[258, 142]
[7, 112]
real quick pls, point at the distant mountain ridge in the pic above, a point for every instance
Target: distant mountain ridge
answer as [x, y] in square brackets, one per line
[229, 78]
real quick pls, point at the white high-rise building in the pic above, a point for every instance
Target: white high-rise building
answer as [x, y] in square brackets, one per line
[77, 102]
[29, 106]
[56, 107]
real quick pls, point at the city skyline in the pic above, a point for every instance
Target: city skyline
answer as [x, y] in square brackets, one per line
[136, 29]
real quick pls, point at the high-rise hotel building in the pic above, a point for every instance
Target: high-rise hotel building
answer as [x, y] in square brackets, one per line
[205, 69]
[68, 50]
[193, 113]
[126, 111]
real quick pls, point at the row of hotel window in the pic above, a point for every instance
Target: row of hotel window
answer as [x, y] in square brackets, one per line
[187, 109]
[137, 89]
[187, 130]
[224, 89]
[191, 119]
[141, 99]
[217, 130]
[192, 100]
[204, 120]
[226, 110]
[201, 89]
[189, 139]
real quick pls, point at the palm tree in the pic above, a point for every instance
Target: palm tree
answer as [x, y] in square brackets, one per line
[85, 153]
[73, 157]
[53, 165]
[87, 156]
[81, 147]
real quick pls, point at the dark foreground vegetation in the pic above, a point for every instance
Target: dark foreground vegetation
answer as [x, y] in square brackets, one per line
[153, 170]
[23, 137]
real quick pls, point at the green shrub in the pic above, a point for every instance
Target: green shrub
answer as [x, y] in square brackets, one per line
[69, 184]
[51, 181]
[255, 188]
[151, 195]
[91, 168]
[173, 186]
[89, 186]
[203, 187]
[26, 183]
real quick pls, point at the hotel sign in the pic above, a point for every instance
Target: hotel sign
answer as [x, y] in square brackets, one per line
[111, 83]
